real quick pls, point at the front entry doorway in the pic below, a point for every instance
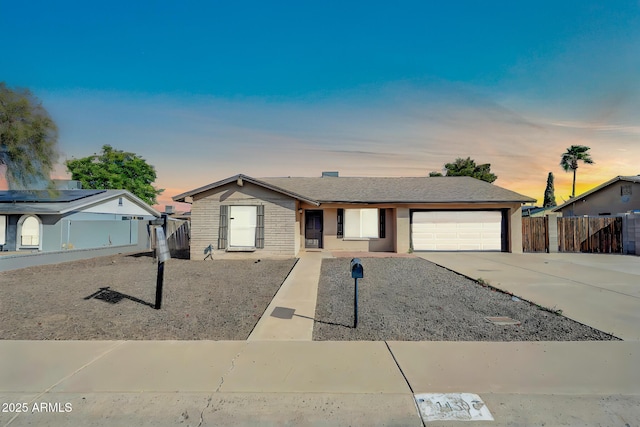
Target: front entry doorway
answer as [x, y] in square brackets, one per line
[313, 229]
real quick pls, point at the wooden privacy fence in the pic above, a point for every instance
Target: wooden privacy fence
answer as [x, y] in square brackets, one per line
[590, 234]
[178, 238]
[578, 234]
[177, 232]
[535, 234]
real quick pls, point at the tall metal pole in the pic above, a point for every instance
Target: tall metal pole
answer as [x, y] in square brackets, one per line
[159, 283]
[163, 255]
[355, 304]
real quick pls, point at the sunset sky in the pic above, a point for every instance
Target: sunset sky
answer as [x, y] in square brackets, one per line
[205, 90]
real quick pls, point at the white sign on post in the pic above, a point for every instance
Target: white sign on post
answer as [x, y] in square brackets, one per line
[161, 244]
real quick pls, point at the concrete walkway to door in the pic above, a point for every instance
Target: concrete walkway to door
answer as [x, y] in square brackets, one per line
[598, 290]
[289, 316]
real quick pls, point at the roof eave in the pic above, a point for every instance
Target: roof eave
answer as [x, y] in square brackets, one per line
[99, 198]
[409, 202]
[183, 196]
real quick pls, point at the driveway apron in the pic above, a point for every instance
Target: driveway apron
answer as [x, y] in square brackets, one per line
[597, 290]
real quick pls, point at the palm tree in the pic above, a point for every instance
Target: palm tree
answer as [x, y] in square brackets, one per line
[570, 158]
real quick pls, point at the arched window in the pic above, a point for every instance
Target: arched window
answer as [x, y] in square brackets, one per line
[30, 231]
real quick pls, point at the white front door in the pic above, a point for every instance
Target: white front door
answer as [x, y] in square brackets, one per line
[242, 226]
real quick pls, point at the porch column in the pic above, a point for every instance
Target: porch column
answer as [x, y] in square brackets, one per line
[403, 231]
[515, 240]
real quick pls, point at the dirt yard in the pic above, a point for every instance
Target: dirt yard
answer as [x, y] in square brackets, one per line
[112, 297]
[411, 299]
[404, 299]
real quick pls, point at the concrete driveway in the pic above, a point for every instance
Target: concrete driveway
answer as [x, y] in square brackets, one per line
[602, 291]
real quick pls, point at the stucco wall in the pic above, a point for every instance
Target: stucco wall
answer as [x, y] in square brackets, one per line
[279, 219]
[67, 232]
[608, 200]
[11, 233]
[403, 230]
[331, 241]
[51, 234]
[514, 243]
[28, 259]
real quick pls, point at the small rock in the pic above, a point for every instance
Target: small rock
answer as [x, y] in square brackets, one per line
[514, 298]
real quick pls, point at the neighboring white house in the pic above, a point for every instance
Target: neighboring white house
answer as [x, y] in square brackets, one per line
[34, 220]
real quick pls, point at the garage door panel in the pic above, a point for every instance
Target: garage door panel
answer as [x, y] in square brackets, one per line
[424, 228]
[469, 225]
[445, 236]
[490, 235]
[491, 226]
[457, 230]
[470, 236]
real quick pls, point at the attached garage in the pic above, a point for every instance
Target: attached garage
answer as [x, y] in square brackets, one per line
[457, 230]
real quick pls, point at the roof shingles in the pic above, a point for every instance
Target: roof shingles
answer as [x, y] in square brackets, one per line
[397, 190]
[382, 190]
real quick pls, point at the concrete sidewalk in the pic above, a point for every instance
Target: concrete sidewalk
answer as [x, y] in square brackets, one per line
[213, 383]
[290, 314]
[602, 291]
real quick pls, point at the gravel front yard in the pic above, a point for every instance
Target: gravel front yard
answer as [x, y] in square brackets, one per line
[404, 299]
[203, 300]
[411, 299]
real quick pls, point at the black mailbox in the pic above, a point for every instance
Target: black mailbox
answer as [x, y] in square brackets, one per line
[357, 272]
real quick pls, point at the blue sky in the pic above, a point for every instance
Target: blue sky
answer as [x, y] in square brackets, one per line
[204, 90]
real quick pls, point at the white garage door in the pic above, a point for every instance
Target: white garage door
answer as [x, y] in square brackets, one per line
[457, 231]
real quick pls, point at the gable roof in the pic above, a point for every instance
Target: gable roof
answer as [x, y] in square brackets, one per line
[634, 179]
[380, 190]
[240, 178]
[62, 201]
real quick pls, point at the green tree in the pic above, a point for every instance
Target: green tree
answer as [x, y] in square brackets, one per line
[468, 167]
[28, 140]
[549, 193]
[570, 158]
[116, 169]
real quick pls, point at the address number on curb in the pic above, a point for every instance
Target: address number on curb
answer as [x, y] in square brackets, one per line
[452, 407]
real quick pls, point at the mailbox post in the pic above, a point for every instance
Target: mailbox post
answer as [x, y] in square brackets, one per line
[163, 255]
[357, 272]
